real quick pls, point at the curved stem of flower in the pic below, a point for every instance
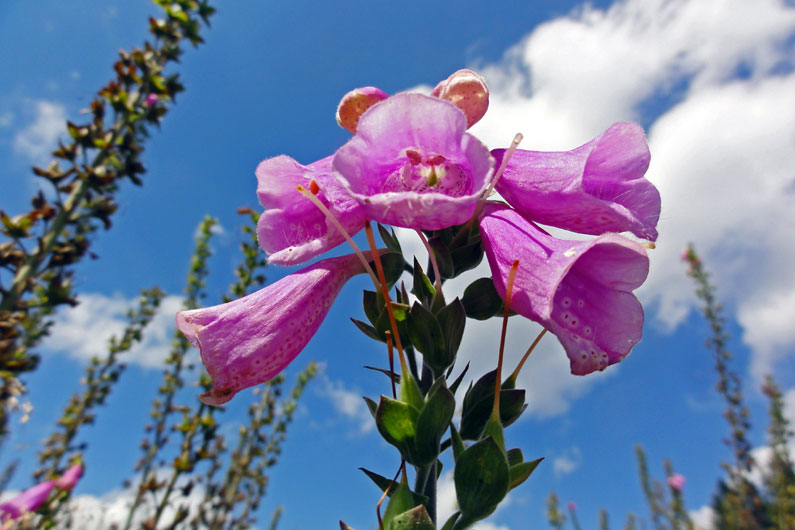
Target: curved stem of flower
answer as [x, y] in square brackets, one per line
[311, 196]
[434, 263]
[386, 492]
[508, 291]
[532, 347]
[387, 300]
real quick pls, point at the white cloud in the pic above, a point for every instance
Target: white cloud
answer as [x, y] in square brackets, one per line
[6, 119]
[702, 518]
[568, 462]
[350, 404]
[37, 139]
[716, 72]
[82, 332]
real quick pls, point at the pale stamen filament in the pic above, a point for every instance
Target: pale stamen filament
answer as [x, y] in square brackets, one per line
[434, 264]
[330, 216]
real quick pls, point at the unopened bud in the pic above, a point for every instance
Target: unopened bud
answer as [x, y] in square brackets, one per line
[355, 103]
[467, 91]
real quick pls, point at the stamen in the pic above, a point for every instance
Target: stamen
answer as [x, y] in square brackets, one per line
[532, 347]
[314, 188]
[495, 412]
[507, 156]
[306, 193]
[413, 156]
[649, 245]
[434, 264]
[435, 160]
[387, 300]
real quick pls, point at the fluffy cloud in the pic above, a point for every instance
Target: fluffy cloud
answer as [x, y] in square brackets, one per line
[713, 83]
[82, 332]
[349, 404]
[35, 141]
[568, 462]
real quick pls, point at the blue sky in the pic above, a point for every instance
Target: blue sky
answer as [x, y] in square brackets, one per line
[711, 81]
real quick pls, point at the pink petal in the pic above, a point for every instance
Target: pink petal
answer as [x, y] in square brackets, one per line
[579, 290]
[292, 229]
[27, 501]
[399, 143]
[69, 479]
[596, 188]
[250, 340]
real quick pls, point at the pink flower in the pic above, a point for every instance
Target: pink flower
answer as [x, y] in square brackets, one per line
[596, 188]
[571, 506]
[31, 499]
[466, 90]
[677, 482]
[68, 480]
[248, 341]
[292, 229]
[579, 290]
[150, 100]
[412, 165]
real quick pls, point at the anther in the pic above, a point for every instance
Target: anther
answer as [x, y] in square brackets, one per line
[314, 188]
[435, 160]
[413, 156]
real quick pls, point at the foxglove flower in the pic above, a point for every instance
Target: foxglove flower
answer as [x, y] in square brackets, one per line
[579, 290]
[677, 482]
[412, 165]
[355, 103]
[32, 498]
[250, 340]
[292, 229]
[596, 188]
[466, 90]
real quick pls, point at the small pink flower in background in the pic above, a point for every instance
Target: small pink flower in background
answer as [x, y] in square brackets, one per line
[31, 499]
[677, 482]
[150, 100]
[69, 479]
[412, 165]
[250, 340]
[572, 506]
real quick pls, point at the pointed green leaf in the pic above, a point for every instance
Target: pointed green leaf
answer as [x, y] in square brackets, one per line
[397, 423]
[400, 501]
[415, 519]
[433, 421]
[521, 472]
[482, 479]
[443, 258]
[426, 335]
[452, 319]
[481, 300]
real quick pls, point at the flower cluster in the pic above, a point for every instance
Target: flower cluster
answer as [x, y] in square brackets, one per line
[32, 498]
[412, 164]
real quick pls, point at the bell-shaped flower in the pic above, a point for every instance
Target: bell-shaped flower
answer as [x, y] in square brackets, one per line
[579, 290]
[27, 501]
[69, 479]
[355, 103]
[411, 163]
[292, 229]
[250, 340]
[596, 188]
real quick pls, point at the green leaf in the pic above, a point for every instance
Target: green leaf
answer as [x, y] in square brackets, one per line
[383, 483]
[452, 318]
[415, 519]
[433, 421]
[397, 423]
[394, 265]
[467, 257]
[514, 456]
[368, 330]
[423, 288]
[426, 335]
[457, 382]
[521, 472]
[474, 417]
[372, 406]
[481, 300]
[482, 479]
[410, 391]
[443, 258]
[400, 501]
[457, 442]
[373, 305]
[390, 239]
[451, 521]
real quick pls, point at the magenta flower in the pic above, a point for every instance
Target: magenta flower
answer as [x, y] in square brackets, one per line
[248, 341]
[150, 100]
[579, 290]
[27, 501]
[69, 479]
[677, 482]
[411, 163]
[292, 229]
[596, 188]
[571, 506]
